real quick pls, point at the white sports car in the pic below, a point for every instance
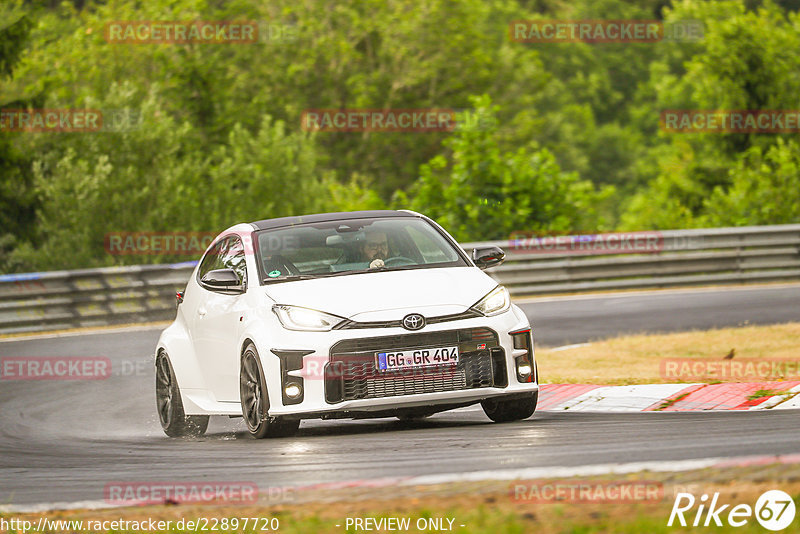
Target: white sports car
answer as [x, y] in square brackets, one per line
[342, 315]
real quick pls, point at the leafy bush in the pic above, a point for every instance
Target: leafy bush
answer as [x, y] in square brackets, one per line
[480, 192]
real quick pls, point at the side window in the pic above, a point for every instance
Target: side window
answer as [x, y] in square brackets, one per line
[233, 258]
[211, 261]
[228, 253]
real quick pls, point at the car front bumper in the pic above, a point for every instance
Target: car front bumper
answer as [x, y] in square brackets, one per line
[335, 370]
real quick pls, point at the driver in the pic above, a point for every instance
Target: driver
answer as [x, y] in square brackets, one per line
[375, 248]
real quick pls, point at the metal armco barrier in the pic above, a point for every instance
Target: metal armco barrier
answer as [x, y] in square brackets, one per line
[93, 297]
[90, 297]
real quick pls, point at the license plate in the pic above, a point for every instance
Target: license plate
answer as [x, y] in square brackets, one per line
[406, 359]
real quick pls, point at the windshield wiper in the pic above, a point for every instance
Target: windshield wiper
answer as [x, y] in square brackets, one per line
[293, 277]
[290, 278]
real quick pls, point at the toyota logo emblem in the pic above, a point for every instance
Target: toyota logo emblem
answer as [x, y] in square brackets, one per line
[413, 321]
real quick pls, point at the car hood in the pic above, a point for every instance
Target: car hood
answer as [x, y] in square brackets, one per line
[386, 295]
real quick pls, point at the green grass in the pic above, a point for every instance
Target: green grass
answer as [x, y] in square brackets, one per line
[766, 393]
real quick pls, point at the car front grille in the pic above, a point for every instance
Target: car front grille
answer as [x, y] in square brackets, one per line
[352, 325]
[351, 372]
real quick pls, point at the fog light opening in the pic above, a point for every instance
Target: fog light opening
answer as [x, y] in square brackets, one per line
[524, 369]
[292, 390]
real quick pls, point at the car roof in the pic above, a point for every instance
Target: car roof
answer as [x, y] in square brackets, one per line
[268, 224]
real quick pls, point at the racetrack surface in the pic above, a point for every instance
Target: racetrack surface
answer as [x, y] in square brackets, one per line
[63, 441]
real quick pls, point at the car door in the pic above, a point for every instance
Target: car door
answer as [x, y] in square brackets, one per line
[216, 324]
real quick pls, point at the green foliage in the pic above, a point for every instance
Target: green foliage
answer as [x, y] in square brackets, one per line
[572, 144]
[481, 192]
[764, 189]
[673, 197]
[154, 177]
[12, 39]
[747, 61]
[17, 199]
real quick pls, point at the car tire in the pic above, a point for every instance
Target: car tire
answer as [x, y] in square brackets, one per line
[255, 400]
[169, 405]
[515, 409]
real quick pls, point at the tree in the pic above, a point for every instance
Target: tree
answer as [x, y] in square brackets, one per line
[479, 192]
[155, 177]
[765, 189]
[747, 60]
[17, 199]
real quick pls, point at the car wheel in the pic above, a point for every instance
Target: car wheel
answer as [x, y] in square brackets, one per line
[502, 411]
[169, 405]
[255, 401]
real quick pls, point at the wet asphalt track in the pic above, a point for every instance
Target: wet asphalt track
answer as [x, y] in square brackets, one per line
[64, 441]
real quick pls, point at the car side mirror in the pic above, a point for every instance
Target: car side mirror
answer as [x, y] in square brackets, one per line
[222, 279]
[485, 257]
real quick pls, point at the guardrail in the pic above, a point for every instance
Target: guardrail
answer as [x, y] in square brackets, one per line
[680, 258]
[93, 297]
[90, 297]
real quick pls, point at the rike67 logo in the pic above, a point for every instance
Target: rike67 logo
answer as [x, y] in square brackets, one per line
[774, 510]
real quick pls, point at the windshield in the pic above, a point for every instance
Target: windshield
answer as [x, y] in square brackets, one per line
[361, 245]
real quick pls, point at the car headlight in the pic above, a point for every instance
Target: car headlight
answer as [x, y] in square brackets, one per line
[497, 301]
[297, 318]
